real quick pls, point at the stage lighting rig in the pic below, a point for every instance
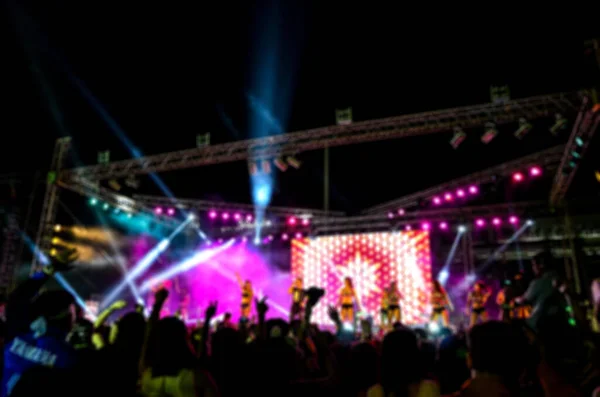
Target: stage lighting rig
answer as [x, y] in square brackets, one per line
[490, 133]
[560, 124]
[458, 137]
[524, 128]
[281, 164]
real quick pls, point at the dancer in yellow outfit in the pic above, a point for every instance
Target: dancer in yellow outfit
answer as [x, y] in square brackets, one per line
[440, 304]
[297, 292]
[347, 300]
[393, 297]
[247, 296]
[476, 300]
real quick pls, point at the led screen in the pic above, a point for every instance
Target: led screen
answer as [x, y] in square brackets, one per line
[372, 260]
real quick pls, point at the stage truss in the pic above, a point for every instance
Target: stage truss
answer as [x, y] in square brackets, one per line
[84, 179]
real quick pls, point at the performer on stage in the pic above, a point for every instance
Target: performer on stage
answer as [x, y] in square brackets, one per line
[297, 292]
[522, 310]
[247, 296]
[347, 300]
[394, 296]
[504, 300]
[384, 310]
[476, 300]
[441, 303]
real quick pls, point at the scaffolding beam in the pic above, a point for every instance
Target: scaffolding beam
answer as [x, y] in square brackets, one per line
[319, 138]
[546, 158]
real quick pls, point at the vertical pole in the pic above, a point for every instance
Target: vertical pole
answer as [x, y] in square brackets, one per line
[326, 180]
[573, 261]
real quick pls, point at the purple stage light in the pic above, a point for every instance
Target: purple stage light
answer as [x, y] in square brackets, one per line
[305, 222]
[437, 200]
[517, 177]
[212, 214]
[249, 218]
[535, 171]
[220, 241]
[480, 222]
[237, 216]
[285, 237]
[425, 226]
[401, 211]
[496, 221]
[244, 239]
[513, 220]
[158, 210]
[443, 225]
[171, 211]
[292, 220]
[407, 228]
[298, 235]
[270, 237]
[473, 189]
[390, 215]
[460, 193]
[448, 197]
[225, 216]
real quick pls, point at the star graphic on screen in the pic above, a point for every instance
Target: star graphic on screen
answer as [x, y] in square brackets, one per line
[363, 274]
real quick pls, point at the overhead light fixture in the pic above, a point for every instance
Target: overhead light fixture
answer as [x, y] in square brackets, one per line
[266, 166]
[252, 168]
[279, 163]
[560, 123]
[490, 133]
[524, 128]
[293, 162]
[458, 137]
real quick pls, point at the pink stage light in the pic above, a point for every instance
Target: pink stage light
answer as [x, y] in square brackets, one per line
[305, 222]
[212, 214]
[437, 200]
[270, 237]
[171, 211]
[480, 222]
[225, 216]
[249, 218]
[448, 197]
[371, 260]
[220, 241]
[513, 220]
[390, 215]
[237, 216]
[244, 239]
[292, 220]
[517, 177]
[535, 171]
[407, 227]
[496, 221]
[401, 211]
[285, 237]
[473, 189]
[298, 235]
[460, 193]
[443, 226]
[425, 226]
[158, 210]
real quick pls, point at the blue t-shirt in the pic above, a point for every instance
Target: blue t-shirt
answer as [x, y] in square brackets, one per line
[26, 352]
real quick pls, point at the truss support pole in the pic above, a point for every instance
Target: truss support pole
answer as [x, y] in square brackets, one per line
[570, 234]
[50, 206]
[326, 180]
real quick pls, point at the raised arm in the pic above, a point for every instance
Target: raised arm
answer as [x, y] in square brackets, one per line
[159, 300]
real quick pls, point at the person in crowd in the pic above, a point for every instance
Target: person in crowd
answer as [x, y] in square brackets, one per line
[347, 301]
[440, 304]
[297, 292]
[505, 302]
[394, 309]
[476, 301]
[247, 298]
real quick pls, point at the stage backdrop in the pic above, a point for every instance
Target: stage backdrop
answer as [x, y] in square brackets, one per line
[372, 261]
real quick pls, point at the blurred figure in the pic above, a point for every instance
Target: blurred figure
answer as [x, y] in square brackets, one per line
[297, 292]
[394, 297]
[247, 298]
[347, 300]
[505, 302]
[440, 303]
[476, 300]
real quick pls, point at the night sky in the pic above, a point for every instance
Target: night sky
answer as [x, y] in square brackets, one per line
[166, 73]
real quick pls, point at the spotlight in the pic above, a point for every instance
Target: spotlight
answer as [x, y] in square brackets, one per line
[55, 240]
[437, 200]
[252, 168]
[163, 245]
[425, 226]
[248, 218]
[237, 216]
[458, 137]
[158, 210]
[473, 189]
[305, 222]
[513, 220]
[462, 228]
[57, 228]
[535, 171]
[191, 216]
[53, 252]
[266, 166]
[517, 177]
[496, 221]
[524, 128]
[171, 211]
[212, 214]
[480, 222]
[256, 240]
[292, 221]
[529, 222]
[390, 215]
[407, 228]
[279, 163]
[460, 193]
[298, 235]
[93, 201]
[293, 162]
[270, 237]
[401, 211]
[490, 133]
[105, 207]
[443, 225]
[285, 236]
[560, 124]
[225, 216]
[244, 239]
[579, 141]
[448, 197]
[129, 215]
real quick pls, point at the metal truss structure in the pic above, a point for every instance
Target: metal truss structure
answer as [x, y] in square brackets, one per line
[205, 205]
[380, 221]
[546, 158]
[50, 205]
[583, 131]
[318, 138]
